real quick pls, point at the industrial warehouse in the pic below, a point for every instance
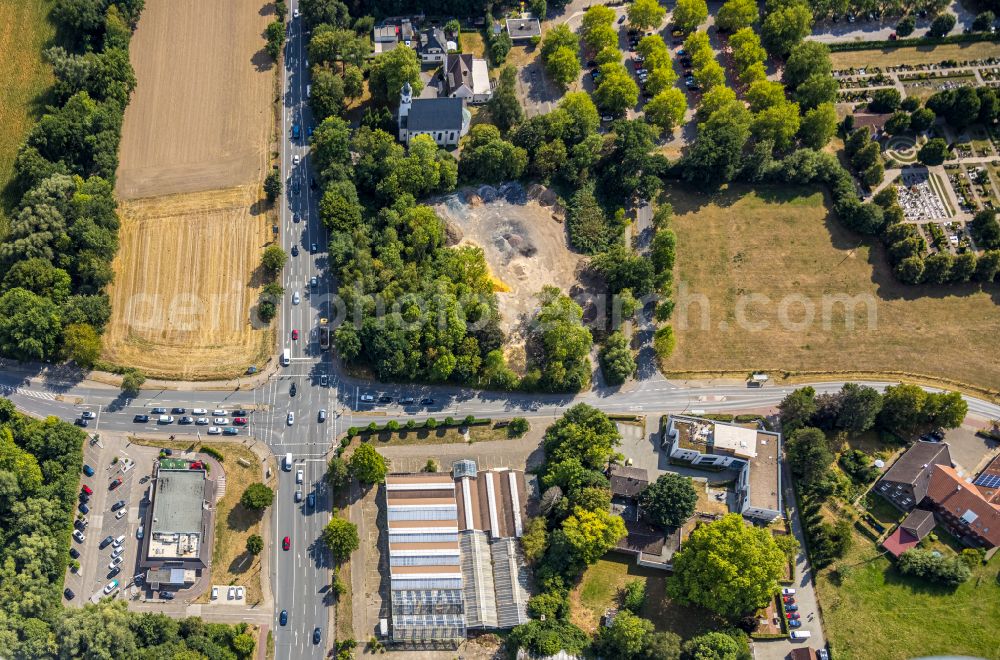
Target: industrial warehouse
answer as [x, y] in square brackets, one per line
[455, 562]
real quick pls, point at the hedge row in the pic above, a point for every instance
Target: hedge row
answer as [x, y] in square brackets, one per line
[916, 41]
[429, 423]
[213, 452]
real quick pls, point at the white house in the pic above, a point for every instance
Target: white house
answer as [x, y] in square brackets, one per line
[467, 78]
[433, 46]
[446, 120]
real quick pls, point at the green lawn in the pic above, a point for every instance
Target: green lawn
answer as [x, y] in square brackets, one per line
[24, 33]
[872, 611]
[598, 591]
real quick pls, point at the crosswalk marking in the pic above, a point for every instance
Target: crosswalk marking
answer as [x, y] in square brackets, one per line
[8, 390]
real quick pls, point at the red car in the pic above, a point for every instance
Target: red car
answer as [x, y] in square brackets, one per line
[789, 599]
[286, 544]
[239, 420]
[115, 484]
[295, 334]
[87, 490]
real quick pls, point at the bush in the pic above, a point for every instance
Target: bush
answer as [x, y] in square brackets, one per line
[633, 595]
[950, 571]
[431, 423]
[213, 452]
[517, 427]
[449, 421]
[664, 342]
[469, 420]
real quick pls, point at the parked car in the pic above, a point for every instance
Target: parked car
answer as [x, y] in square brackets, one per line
[86, 489]
[79, 421]
[406, 401]
[159, 411]
[298, 476]
[74, 553]
[230, 430]
[793, 615]
[215, 593]
[214, 430]
[108, 540]
[239, 592]
[84, 509]
[138, 533]
[822, 654]
[313, 248]
[118, 542]
[788, 591]
[221, 421]
[313, 282]
[800, 634]
[87, 470]
[178, 411]
[240, 412]
[115, 484]
[794, 623]
[240, 420]
[187, 420]
[166, 595]
[203, 421]
[427, 401]
[80, 524]
[311, 500]
[121, 514]
[111, 586]
[117, 505]
[114, 571]
[298, 496]
[68, 593]
[367, 398]
[115, 562]
[231, 593]
[199, 411]
[140, 419]
[791, 608]
[78, 535]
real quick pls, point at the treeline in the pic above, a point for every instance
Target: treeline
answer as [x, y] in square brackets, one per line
[64, 231]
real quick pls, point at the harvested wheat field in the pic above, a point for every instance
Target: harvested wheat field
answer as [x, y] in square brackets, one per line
[765, 280]
[201, 117]
[186, 281]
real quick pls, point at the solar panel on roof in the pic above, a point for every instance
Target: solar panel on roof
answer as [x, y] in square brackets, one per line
[988, 480]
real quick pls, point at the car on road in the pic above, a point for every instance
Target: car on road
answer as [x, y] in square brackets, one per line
[311, 500]
[298, 496]
[115, 484]
[367, 398]
[203, 421]
[313, 248]
[178, 411]
[111, 586]
[290, 419]
[199, 411]
[296, 158]
[121, 514]
[108, 540]
[406, 401]
[88, 414]
[316, 635]
[117, 505]
[159, 411]
[214, 430]
[296, 298]
[78, 535]
[230, 430]
[87, 470]
[79, 421]
[313, 281]
[140, 419]
[295, 250]
[86, 489]
[68, 593]
[322, 415]
[621, 19]
[298, 476]
[187, 420]
[292, 390]
[324, 380]
[295, 334]
[283, 617]
[286, 543]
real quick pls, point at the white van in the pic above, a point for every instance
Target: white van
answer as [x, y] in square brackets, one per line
[288, 462]
[165, 419]
[286, 357]
[800, 634]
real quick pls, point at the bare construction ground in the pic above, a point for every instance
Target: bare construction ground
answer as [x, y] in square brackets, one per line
[200, 118]
[524, 240]
[186, 281]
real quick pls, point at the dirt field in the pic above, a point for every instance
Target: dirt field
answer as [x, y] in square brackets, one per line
[186, 280]
[525, 246]
[735, 247]
[200, 118]
[24, 33]
[913, 55]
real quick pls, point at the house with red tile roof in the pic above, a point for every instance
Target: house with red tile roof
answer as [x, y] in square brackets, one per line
[963, 509]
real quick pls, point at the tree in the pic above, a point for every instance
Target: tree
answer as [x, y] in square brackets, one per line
[535, 539]
[328, 92]
[30, 325]
[549, 637]
[934, 152]
[255, 544]
[666, 109]
[645, 14]
[272, 185]
[563, 341]
[594, 16]
[983, 21]
[778, 124]
[367, 465]
[950, 571]
[712, 646]
[805, 60]
[257, 496]
[584, 434]
[333, 12]
[902, 408]
[689, 14]
[922, 119]
[818, 125]
[601, 37]
[942, 25]
[786, 25]
[82, 344]
[859, 406]
[275, 38]
[797, 409]
[816, 90]
[906, 25]
[132, 382]
[809, 455]
[885, 100]
[244, 644]
[389, 71]
[337, 474]
[985, 229]
[669, 501]
[727, 567]
[341, 537]
[625, 637]
[505, 108]
[273, 259]
[898, 123]
[715, 155]
[590, 534]
[488, 157]
[563, 66]
[617, 361]
[737, 14]
[711, 75]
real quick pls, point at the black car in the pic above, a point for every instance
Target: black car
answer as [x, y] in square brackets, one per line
[427, 401]
[316, 635]
[108, 540]
[311, 499]
[117, 505]
[84, 509]
[313, 248]
[295, 250]
[292, 390]
[167, 595]
[84, 497]
[69, 593]
[140, 419]
[74, 553]
[178, 411]
[79, 421]
[385, 398]
[187, 420]
[114, 571]
[80, 525]
[240, 413]
[406, 401]
[283, 618]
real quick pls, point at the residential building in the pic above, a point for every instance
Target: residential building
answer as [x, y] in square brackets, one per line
[752, 452]
[468, 78]
[178, 523]
[433, 46]
[385, 38]
[802, 653]
[446, 120]
[961, 508]
[650, 545]
[905, 483]
[523, 29]
[910, 532]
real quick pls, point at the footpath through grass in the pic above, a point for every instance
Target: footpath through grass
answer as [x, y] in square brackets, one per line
[25, 32]
[872, 611]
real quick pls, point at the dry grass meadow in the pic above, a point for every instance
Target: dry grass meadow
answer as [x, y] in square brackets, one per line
[24, 33]
[195, 146]
[884, 57]
[186, 282]
[736, 246]
[200, 118]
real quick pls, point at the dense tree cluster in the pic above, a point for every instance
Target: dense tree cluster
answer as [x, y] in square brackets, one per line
[561, 54]
[63, 233]
[558, 345]
[669, 501]
[934, 567]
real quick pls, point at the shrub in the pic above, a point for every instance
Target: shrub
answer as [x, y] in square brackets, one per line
[950, 571]
[517, 427]
[431, 423]
[392, 425]
[213, 452]
[633, 595]
[469, 420]
[449, 421]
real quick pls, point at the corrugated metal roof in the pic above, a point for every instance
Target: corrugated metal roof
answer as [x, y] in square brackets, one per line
[477, 571]
[511, 578]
